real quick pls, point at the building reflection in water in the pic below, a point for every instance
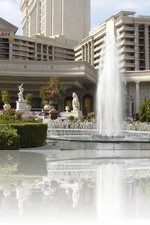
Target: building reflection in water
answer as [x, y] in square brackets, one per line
[30, 190]
[34, 189]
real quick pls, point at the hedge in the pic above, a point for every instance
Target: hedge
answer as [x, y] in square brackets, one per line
[31, 134]
[9, 138]
[22, 135]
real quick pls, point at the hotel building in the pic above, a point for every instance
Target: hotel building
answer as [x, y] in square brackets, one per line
[38, 55]
[37, 48]
[70, 18]
[32, 61]
[49, 38]
[133, 36]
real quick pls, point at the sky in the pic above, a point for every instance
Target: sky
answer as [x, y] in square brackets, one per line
[100, 10]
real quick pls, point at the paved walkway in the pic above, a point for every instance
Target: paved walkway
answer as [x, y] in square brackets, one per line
[59, 150]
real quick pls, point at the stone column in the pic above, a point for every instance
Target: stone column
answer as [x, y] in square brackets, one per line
[53, 53]
[137, 96]
[86, 53]
[89, 51]
[11, 42]
[92, 53]
[83, 52]
[38, 17]
[41, 52]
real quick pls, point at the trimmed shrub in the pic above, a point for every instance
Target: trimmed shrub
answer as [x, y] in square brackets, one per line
[31, 134]
[9, 138]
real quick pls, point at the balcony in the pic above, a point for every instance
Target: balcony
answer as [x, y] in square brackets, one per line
[4, 56]
[78, 58]
[78, 54]
[97, 55]
[126, 35]
[125, 28]
[97, 61]
[126, 64]
[24, 54]
[126, 42]
[125, 57]
[4, 51]
[141, 49]
[98, 42]
[98, 49]
[126, 49]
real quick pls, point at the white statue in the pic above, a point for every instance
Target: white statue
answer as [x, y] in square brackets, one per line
[20, 94]
[76, 112]
[75, 102]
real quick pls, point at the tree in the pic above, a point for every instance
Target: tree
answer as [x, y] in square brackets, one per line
[28, 98]
[144, 112]
[5, 96]
[51, 92]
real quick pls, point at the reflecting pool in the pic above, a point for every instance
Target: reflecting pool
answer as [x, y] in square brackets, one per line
[55, 186]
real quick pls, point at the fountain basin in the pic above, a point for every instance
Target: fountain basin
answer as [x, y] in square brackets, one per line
[85, 135]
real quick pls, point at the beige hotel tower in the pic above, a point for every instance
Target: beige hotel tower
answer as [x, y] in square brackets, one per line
[56, 17]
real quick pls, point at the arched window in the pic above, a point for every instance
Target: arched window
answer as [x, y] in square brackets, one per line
[87, 104]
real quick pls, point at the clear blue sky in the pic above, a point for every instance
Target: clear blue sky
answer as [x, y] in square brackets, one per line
[100, 10]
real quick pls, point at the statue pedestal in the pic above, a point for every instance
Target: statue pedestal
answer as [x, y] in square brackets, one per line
[21, 106]
[74, 113]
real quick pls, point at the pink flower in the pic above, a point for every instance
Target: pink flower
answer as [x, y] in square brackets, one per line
[51, 92]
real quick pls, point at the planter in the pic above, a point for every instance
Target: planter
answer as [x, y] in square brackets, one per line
[6, 106]
[53, 113]
[47, 107]
[67, 108]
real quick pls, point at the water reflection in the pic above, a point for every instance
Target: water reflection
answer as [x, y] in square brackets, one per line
[35, 189]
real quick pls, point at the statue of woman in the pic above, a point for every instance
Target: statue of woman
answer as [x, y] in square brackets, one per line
[75, 102]
[20, 94]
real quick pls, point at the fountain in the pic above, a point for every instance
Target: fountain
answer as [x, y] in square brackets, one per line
[109, 90]
[108, 127]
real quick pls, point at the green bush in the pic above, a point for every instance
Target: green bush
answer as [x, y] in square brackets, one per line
[144, 112]
[5, 96]
[9, 139]
[13, 116]
[7, 115]
[31, 134]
